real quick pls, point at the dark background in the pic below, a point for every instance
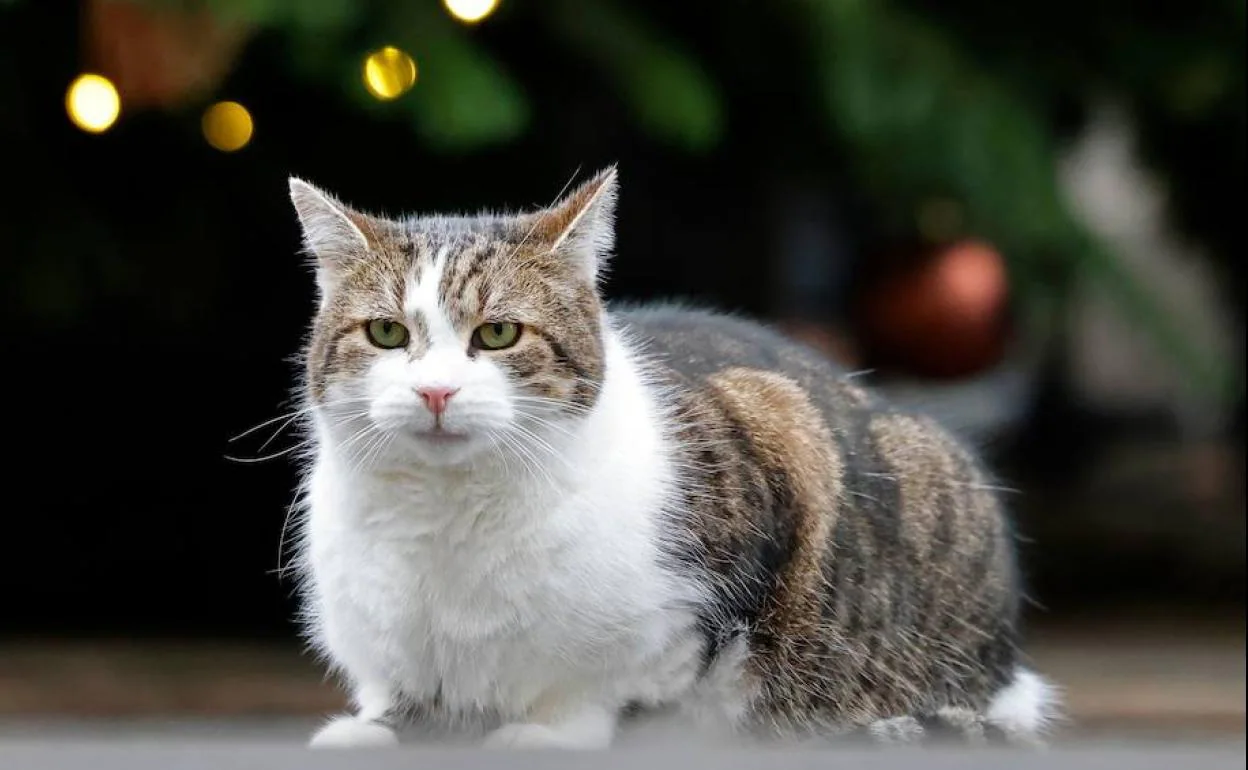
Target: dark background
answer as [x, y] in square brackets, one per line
[153, 299]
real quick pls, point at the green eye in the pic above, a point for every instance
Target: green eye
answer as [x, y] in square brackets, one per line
[386, 334]
[495, 336]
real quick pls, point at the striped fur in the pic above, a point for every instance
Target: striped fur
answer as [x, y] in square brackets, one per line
[861, 552]
[790, 553]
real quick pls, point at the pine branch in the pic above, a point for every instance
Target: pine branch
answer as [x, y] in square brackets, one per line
[667, 90]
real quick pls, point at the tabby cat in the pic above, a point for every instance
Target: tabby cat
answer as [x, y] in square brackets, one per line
[528, 516]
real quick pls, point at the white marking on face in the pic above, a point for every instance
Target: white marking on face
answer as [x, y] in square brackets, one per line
[481, 403]
[445, 359]
[421, 301]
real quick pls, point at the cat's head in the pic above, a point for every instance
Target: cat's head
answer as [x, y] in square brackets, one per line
[446, 337]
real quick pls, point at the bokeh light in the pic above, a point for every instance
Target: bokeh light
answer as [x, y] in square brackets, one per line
[92, 103]
[470, 11]
[228, 126]
[389, 73]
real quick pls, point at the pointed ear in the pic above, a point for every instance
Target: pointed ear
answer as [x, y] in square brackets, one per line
[582, 225]
[332, 232]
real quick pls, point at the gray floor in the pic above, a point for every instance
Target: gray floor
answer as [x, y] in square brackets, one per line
[254, 744]
[86, 755]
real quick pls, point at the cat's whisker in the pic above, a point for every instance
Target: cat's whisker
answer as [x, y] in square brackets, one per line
[497, 451]
[345, 421]
[379, 450]
[541, 444]
[357, 460]
[857, 374]
[351, 447]
[987, 487]
[281, 541]
[537, 220]
[266, 423]
[376, 450]
[505, 446]
[273, 436]
[272, 456]
[531, 462]
[359, 434]
[296, 413]
[544, 423]
[554, 408]
[555, 403]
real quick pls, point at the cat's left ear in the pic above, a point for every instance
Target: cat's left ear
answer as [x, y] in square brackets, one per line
[329, 227]
[333, 233]
[582, 225]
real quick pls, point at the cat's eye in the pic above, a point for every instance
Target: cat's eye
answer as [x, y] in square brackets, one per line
[386, 334]
[495, 336]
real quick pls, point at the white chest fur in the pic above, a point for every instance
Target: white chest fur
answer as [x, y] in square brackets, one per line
[492, 590]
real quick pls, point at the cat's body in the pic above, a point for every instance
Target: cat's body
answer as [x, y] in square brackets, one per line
[653, 507]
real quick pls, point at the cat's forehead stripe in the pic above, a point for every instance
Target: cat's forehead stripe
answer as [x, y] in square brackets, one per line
[423, 303]
[468, 267]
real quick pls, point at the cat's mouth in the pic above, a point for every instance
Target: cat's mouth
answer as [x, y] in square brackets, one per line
[440, 435]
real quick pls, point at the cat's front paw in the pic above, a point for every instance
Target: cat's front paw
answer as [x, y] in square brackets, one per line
[530, 736]
[347, 732]
[523, 736]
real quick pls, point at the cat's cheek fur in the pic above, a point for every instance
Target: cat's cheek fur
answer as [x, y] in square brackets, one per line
[485, 593]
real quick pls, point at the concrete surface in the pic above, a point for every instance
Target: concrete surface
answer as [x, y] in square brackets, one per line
[1167, 693]
[210, 756]
[1169, 672]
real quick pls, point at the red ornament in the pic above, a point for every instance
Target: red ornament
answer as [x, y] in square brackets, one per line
[942, 316]
[158, 57]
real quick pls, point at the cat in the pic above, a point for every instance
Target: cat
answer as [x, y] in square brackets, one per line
[528, 515]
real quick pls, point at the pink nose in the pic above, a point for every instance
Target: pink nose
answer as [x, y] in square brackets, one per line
[436, 398]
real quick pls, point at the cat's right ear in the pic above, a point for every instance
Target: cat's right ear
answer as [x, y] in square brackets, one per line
[332, 232]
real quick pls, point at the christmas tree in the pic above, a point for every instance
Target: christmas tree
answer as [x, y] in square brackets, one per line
[153, 297]
[944, 119]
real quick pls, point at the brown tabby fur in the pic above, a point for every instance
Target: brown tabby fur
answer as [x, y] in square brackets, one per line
[858, 553]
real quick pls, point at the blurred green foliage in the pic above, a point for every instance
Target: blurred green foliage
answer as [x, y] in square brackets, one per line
[966, 101]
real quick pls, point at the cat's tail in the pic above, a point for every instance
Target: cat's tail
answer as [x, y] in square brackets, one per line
[1022, 713]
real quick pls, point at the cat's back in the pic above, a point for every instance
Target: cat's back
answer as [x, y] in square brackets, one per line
[699, 344]
[870, 539]
[763, 383]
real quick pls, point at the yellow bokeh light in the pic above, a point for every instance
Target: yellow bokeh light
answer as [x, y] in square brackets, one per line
[92, 103]
[470, 11]
[227, 126]
[389, 73]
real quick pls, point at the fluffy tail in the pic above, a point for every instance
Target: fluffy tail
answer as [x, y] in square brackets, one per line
[1020, 714]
